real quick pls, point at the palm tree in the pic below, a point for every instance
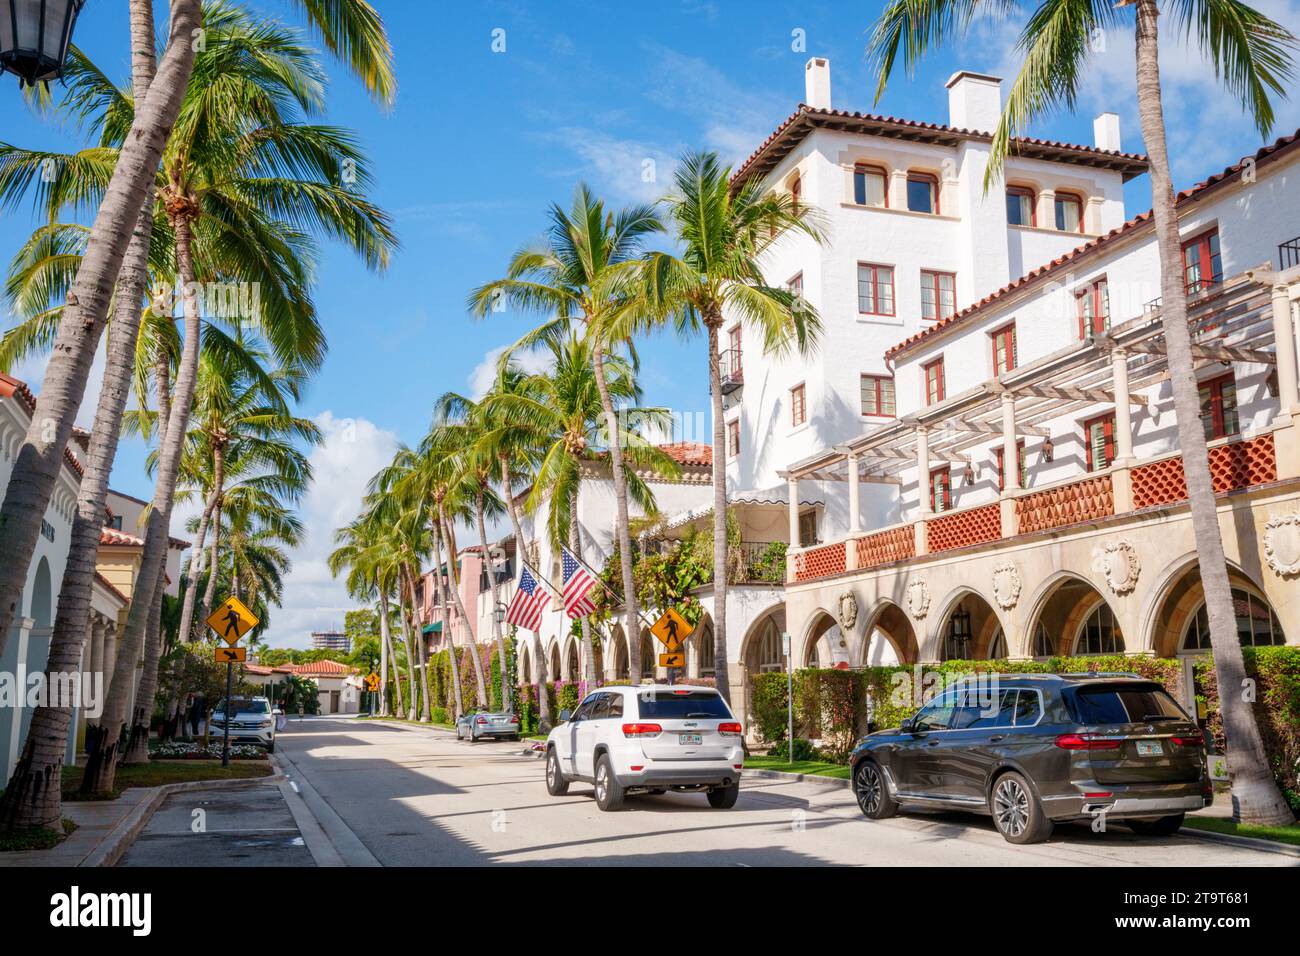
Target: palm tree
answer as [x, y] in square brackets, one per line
[724, 233]
[1252, 56]
[363, 551]
[587, 271]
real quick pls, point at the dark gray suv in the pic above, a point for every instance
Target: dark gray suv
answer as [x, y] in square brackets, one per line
[1032, 750]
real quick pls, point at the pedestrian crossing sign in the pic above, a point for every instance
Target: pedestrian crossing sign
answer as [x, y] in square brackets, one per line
[232, 620]
[671, 629]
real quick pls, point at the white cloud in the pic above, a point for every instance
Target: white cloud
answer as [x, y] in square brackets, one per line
[485, 372]
[353, 450]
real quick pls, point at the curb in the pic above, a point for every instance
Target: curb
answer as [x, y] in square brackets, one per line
[795, 777]
[1248, 843]
[329, 839]
[120, 838]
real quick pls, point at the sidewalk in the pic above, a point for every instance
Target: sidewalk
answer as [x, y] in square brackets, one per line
[96, 821]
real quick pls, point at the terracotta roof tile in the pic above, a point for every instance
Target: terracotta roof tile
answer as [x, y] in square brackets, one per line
[689, 452]
[1070, 258]
[112, 536]
[323, 669]
[11, 387]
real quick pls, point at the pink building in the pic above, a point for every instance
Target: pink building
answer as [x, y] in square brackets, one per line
[473, 583]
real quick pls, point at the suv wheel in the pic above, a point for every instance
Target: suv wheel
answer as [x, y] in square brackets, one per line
[873, 794]
[459, 733]
[724, 798]
[609, 793]
[1164, 826]
[556, 785]
[270, 748]
[1017, 813]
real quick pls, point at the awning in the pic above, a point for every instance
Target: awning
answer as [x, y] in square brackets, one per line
[434, 628]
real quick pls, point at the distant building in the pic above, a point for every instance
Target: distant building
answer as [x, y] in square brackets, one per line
[331, 641]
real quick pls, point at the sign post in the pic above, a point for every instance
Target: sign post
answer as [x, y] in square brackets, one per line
[230, 621]
[789, 694]
[671, 630]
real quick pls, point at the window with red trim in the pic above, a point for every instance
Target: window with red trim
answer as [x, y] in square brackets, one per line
[733, 438]
[733, 334]
[1069, 213]
[796, 188]
[798, 405]
[1219, 407]
[870, 186]
[938, 295]
[875, 289]
[1099, 441]
[941, 489]
[1020, 206]
[1092, 305]
[1202, 264]
[1004, 349]
[1020, 461]
[933, 381]
[922, 193]
[878, 395]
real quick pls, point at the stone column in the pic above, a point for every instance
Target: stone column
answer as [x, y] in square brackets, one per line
[1123, 406]
[855, 501]
[1045, 212]
[793, 486]
[922, 489]
[1010, 458]
[898, 189]
[1284, 339]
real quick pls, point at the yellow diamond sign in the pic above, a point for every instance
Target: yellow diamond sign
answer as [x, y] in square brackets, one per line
[232, 620]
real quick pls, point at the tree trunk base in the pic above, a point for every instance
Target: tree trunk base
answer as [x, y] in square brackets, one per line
[33, 797]
[101, 763]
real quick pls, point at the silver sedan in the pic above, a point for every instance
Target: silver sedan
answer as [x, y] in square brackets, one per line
[477, 724]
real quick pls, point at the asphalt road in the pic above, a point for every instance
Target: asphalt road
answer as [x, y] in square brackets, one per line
[418, 797]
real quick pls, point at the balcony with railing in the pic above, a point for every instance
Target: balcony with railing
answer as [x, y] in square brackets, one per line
[733, 374]
[1288, 254]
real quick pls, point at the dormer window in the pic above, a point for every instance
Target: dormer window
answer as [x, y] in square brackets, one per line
[1069, 213]
[923, 193]
[1020, 206]
[870, 186]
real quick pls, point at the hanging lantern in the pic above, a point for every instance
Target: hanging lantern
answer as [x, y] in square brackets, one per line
[34, 37]
[1048, 449]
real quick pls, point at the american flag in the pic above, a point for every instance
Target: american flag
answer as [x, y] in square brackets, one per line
[529, 603]
[578, 583]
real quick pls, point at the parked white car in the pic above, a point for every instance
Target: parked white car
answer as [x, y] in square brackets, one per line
[650, 738]
[253, 721]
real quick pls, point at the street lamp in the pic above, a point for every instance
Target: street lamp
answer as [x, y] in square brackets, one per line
[34, 37]
[499, 612]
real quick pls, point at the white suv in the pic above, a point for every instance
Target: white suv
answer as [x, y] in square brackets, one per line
[650, 738]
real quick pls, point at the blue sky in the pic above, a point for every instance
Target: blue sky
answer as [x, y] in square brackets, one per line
[480, 142]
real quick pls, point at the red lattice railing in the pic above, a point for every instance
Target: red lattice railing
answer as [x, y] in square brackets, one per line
[1232, 467]
[883, 547]
[819, 562]
[964, 528]
[1067, 504]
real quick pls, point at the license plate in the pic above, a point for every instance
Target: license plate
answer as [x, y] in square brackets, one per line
[690, 740]
[1150, 748]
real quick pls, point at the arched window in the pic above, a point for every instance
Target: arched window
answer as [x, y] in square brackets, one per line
[957, 645]
[647, 653]
[998, 646]
[1069, 212]
[770, 657]
[1257, 625]
[575, 672]
[1043, 645]
[923, 193]
[1100, 634]
[706, 651]
[796, 189]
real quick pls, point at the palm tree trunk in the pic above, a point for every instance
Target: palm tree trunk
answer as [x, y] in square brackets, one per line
[490, 563]
[383, 666]
[210, 591]
[575, 545]
[385, 634]
[426, 713]
[622, 531]
[1255, 795]
[440, 590]
[410, 651]
[721, 677]
[196, 563]
[544, 717]
[137, 746]
[40, 458]
[453, 583]
[102, 744]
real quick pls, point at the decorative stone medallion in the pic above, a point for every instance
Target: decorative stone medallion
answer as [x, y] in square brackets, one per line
[1282, 544]
[848, 611]
[1006, 585]
[1118, 563]
[918, 598]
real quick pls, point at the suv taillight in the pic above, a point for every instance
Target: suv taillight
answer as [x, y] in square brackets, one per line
[480, 720]
[1087, 742]
[641, 730]
[730, 730]
[1189, 740]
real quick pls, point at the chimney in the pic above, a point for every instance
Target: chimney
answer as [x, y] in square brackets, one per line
[1105, 131]
[974, 101]
[817, 83]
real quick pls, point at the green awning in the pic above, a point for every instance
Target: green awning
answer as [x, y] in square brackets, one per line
[434, 628]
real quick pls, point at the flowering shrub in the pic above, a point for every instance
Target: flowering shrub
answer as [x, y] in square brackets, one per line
[180, 750]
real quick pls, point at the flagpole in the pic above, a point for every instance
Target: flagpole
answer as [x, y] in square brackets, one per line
[596, 574]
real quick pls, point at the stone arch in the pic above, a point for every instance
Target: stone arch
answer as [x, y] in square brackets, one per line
[619, 655]
[819, 647]
[42, 605]
[1063, 604]
[572, 659]
[525, 667]
[896, 632]
[760, 649]
[1177, 598]
[701, 661]
[965, 627]
[649, 664]
[554, 667]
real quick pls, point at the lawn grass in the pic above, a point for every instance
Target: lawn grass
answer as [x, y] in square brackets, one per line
[1283, 834]
[37, 838]
[816, 768]
[158, 772]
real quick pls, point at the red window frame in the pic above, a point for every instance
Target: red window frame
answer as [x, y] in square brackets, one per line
[1006, 338]
[930, 281]
[1067, 197]
[796, 189]
[877, 270]
[1107, 421]
[1024, 191]
[879, 384]
[932, 382]
[944, 474]
[930, 180]
[1096, 296]
[798, 405]
[1020, 462]
[733, 438]
[1208, 260]
[1217, 423]
[864, 170]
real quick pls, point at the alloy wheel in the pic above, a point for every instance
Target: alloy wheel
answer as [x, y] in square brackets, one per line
[1011, 807]
[868, 789]
[602, 782]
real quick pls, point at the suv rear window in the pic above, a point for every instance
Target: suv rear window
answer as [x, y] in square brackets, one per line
[1123, 704]
[676, 704]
